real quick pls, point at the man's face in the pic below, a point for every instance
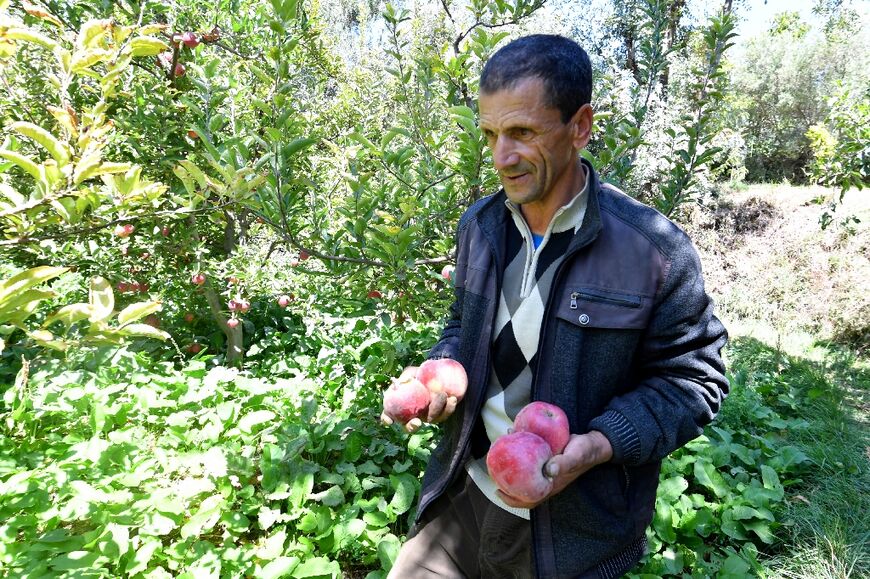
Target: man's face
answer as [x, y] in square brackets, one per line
[534, 152]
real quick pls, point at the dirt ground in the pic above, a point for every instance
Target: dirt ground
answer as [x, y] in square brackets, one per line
[767, 259]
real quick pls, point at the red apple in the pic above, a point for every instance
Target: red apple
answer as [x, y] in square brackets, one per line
[153, 321]
[189, 317]
[447, 272]
[233, 322]
[189, 39]
[194, 348]
[405, 399]
[180, 70]
[374, 294]
[284, 300]
[192, 134]
[164, 231]
[547, 421]
[443, 375]
[303, 255]
[239, 305]
[123, 287]
[197, 278]
[124, 230]
[233, 280]
[516, 464]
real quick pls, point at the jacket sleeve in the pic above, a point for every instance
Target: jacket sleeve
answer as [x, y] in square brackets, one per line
[448, 344]
[681, 374]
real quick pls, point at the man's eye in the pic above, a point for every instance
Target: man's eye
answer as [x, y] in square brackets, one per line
[522, 133]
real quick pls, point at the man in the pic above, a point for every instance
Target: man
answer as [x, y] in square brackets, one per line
[571, 292]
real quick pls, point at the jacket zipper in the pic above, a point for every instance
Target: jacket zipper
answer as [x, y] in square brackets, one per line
[625, 301]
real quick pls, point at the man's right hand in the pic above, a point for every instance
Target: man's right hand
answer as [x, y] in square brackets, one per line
[440, 408]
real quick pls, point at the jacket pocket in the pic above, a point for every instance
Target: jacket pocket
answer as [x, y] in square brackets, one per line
[599, 308]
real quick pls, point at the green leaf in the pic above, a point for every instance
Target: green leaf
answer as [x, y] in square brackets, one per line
[117, 541]
[85, 172]
[762, 529]
[253, 419]
[28, 279]
[22, 303]
[147, 46]
[388, 550]
[69, 315]
[55, 148]
[143, 556]
[280, 567]
[317, 567]
[671, 489]
[84, 59]
[74, 560]
[138, 311]
[297, 145]
[92, 32]
[707, 475]
[734, 567]
[405, 487]
[142, 331]
[331, 497]
[194, 172]
[28, 35]
[205, 518]
[101, 299]
[25, 162]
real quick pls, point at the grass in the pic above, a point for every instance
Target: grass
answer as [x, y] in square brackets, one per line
[796, 301]
[826, 519]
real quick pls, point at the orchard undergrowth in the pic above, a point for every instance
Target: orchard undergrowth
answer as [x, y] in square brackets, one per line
[115, 464]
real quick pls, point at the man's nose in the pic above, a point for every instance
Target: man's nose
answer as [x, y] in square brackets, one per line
[504, 153]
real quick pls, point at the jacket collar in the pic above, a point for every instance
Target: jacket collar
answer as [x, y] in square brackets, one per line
[494, 216]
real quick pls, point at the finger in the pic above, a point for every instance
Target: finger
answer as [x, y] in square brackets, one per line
[552, 469]
[413, 425]
[450, 407]
[437, 404]
[386, 420]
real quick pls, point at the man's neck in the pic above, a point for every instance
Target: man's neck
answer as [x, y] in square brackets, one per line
[539, 215]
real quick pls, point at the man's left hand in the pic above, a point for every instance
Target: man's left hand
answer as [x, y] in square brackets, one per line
[583, 452]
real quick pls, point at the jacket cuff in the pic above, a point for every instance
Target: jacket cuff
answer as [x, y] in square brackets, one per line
[622, 436]
[439, 351]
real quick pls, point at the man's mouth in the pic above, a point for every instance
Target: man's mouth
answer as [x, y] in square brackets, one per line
[515, 177]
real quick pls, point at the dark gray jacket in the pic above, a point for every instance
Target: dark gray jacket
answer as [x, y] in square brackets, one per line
[629, 346]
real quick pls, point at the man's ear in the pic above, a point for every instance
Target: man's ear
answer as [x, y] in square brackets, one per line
[582, 123]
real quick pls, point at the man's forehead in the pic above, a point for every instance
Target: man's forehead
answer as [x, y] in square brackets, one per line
[524, 100]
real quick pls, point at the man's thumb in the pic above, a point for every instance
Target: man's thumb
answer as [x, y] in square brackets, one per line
[552, 469]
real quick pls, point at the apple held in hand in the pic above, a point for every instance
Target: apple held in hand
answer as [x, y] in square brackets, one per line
[547, 421]
[443, 375]
[516, 464]
[406, 398]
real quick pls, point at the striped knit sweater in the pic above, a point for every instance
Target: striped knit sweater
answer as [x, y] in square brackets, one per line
[526, 283]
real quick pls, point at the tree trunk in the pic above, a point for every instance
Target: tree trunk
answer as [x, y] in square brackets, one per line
[675, 14]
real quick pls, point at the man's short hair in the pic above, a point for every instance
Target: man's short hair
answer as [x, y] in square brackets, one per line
[559, 62]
